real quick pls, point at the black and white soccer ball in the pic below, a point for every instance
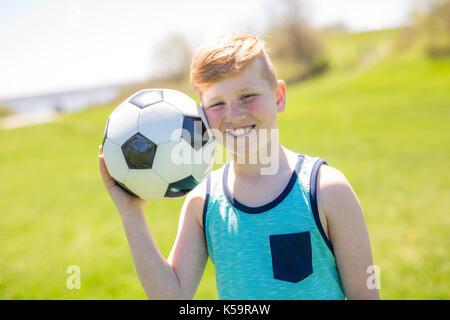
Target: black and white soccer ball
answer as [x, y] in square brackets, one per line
[157, 144]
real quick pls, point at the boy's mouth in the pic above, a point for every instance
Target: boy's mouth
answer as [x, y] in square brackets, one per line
[241, 131]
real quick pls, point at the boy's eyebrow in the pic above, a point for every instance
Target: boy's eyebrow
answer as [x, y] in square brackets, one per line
[249, 89]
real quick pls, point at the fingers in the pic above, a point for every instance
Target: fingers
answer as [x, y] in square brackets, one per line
[108, 181]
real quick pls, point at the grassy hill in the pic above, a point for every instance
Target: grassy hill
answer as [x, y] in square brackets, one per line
[380, 116]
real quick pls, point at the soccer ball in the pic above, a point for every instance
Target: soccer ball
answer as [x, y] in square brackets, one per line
[157, 144]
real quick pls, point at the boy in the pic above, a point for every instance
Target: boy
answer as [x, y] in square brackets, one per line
[296, 233]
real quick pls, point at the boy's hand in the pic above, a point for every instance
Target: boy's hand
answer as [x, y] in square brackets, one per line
[125, 202]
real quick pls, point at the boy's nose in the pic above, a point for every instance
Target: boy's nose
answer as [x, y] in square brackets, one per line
[234, 114]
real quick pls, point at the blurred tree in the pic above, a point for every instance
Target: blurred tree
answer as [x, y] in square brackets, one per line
[435, 28]
[172, 59]
[170, 68]
[430, 30]
[296, 48]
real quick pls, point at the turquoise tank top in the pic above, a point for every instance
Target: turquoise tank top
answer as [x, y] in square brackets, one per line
[275, 251]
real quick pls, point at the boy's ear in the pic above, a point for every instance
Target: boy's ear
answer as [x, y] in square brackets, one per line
[281, 95]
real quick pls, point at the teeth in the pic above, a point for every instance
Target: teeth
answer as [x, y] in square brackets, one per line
[240, 131]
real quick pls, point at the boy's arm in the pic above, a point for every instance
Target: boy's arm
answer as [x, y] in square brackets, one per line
[347, 232]
[189, 253]
[178, 277]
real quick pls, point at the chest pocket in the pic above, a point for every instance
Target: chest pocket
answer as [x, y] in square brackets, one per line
[291, 256]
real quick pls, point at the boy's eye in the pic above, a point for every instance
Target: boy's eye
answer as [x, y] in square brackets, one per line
[218, 104]
[247, 97]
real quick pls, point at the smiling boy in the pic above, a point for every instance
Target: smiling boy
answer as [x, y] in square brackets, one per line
[296, 233]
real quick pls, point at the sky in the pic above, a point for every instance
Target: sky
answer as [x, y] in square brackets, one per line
[50, 46]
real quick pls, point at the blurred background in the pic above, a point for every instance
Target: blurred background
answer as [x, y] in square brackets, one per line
[368, 90]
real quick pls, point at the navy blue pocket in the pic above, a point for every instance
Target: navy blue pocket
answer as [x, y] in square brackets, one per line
[291, 256]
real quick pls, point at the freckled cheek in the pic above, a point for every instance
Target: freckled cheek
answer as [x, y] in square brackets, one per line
[214, 118]
[256, 107]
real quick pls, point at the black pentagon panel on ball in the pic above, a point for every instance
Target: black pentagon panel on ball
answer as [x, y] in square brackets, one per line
[139, 152]
[180, 188]
[194, 132]
[147, 98]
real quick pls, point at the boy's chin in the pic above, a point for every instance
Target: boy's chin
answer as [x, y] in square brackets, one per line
[245, 155]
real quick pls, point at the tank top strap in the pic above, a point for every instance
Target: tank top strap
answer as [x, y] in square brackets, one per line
[308, 179]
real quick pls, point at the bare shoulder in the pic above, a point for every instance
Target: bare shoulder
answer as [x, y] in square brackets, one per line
[195, 200]
[331, 179]
[336, 194]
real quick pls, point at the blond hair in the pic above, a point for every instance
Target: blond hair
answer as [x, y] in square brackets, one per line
[228, 56]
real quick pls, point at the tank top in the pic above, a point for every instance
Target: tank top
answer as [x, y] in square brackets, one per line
[275, 251]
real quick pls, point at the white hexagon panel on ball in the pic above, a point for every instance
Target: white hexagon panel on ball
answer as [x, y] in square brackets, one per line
[115, 161]
[123, 123]
[174, 160]
[182, 102]
[160, 123]
[146, 184]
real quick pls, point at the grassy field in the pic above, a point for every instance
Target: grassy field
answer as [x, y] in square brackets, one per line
[381, 117]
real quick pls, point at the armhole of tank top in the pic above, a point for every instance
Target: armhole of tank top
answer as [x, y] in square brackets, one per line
[313, 199]
[205, 208]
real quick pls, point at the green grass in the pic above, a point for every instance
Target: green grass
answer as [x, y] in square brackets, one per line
[383, 124]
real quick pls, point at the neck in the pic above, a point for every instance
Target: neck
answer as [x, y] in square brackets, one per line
[261, 166]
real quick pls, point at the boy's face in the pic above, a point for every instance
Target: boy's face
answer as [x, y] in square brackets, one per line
[244, 108]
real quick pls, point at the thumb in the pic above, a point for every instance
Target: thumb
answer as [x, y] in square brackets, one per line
[106, 177]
